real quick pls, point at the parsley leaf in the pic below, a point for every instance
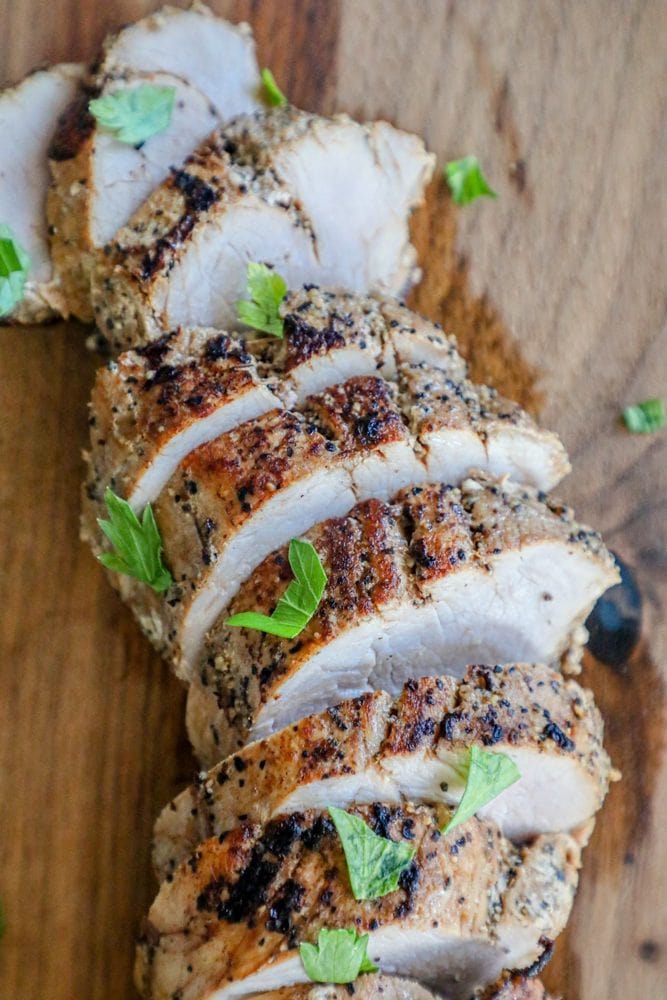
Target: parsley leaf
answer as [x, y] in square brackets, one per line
[3, 922]
[466, 180]
[374, 863]
[267, 291]
[299, 602]
[136, 113]
[338, 957]
[272, 91]
[14, 267]
[138, 544]
[487, 775]
[646, 417]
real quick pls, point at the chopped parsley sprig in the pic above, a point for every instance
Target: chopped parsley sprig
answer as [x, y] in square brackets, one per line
[487, 774]
[374, 863]
[466, 180]
[14, 268]
[134, 114]
[267, 290]
[299, 602]
[646, 417]
[272, 92]
[137, 544]
[338, 957]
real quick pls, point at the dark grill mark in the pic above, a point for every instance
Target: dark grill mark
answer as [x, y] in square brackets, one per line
[553, 732]
[74, 126]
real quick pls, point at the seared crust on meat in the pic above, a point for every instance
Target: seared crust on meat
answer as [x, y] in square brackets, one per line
[67, 205]
[362, 741]
[98, 183]
[156, 404]
[180, 388]
[380, 558]
[371, 436]
[241, 905]
[366, 987]
[226, 175]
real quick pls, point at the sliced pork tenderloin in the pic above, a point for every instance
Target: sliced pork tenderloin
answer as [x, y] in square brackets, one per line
[150, 409]
[28, 113]
[323, 200]
[99, 182]
[410, 748]
[270, 479]
[490, 572]
[229, 921]
[153, 406]
[235, 499]
[373, 987]
[367, 987]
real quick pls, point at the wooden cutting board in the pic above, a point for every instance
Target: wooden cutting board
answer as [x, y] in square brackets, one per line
[565, 103]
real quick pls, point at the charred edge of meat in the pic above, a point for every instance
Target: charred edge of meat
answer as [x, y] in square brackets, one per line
[199, 197]
[540, 962]
[75, 124]
[307, 340]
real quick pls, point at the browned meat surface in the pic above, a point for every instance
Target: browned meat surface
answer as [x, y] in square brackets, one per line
[229, 921]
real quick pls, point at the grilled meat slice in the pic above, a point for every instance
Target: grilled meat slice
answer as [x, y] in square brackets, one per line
[323, 200]
[154, 406]
[490, 572]
[410, 749]
[367, 987]
[230, 919]
[235, 499]
[28, 113]
[485, 429]
[99, 182]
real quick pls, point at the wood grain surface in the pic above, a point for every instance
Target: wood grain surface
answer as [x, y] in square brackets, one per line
[566, 104]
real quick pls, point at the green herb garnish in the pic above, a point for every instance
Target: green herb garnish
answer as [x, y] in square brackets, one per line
[272, 91]
[646, 417]
[137, 543]
[374, 863]
[299, 602]
[267, 291]
[14, 267]
[136, 113]
[466, 180]
[487, 775]
[338, 957]
[3, 922]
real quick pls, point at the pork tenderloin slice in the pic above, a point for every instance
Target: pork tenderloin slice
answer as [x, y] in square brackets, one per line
[146, 434]
[154, 406]
[98, 182]
[220, 514]
[232, 500]
[294, 203]
[229, 921]
[476, 421]
[211, 54]
[28, 113]
[410, 748]
[367, 987]
[490, 572]
[331, 335]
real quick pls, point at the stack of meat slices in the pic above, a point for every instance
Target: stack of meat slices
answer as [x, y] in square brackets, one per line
[425, 497]
[442, 548]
